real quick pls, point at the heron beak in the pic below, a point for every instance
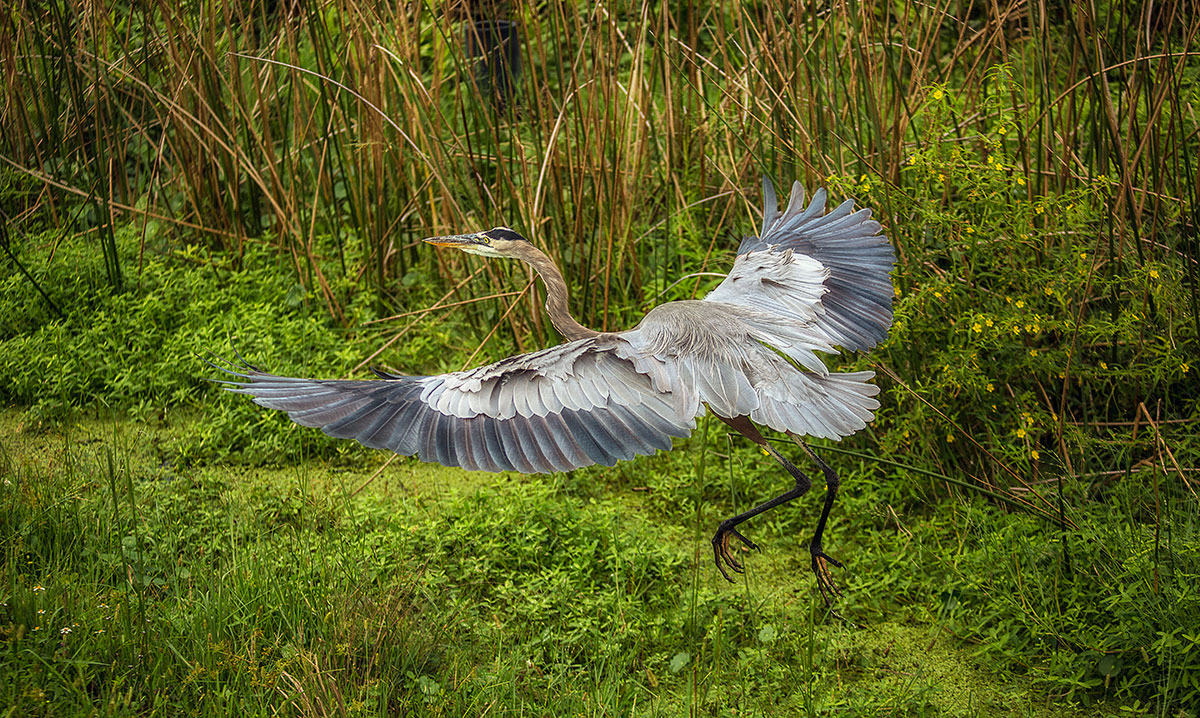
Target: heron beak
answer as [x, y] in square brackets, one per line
[455, 240]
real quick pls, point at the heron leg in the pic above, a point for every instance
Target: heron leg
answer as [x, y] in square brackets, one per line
[820, 560]
[728, 528]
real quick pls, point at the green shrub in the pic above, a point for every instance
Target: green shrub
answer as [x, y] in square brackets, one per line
[143, 351]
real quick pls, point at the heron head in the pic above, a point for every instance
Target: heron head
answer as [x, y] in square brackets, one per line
[496, 242]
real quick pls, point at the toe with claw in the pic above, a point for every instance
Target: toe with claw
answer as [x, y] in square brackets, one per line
[723, 554]
[820, 565]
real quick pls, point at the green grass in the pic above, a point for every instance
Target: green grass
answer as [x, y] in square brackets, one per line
[132, 586]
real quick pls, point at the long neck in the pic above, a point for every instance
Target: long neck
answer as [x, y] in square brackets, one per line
[556, 294]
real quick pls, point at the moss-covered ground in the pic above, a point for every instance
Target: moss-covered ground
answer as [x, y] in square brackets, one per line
[369, 587]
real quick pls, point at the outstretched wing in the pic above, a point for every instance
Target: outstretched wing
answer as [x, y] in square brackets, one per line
[558, 409]
[829, 271]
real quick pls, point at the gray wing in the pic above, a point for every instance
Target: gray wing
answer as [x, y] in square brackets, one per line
[830, 271]
[712, 354]
[558, 409]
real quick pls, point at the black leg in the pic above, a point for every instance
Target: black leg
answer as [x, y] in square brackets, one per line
[728, 528]
[820, 559]
[723, 555]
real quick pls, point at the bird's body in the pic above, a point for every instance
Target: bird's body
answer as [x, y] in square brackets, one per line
[748, 352]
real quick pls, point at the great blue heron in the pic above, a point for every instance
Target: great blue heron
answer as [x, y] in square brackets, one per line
[809, 282]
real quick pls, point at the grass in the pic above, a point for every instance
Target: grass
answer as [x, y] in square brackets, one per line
[135, 587]
[1019, 521]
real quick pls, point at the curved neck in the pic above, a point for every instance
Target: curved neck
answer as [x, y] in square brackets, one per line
[556, 294]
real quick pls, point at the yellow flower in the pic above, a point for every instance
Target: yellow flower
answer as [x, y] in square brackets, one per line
[970, 229]
[1049, 292]
[938, 94]
[938, 295]
[1154, 274]
[896, 291]
[1039, 209]
[1021, 181]
[1184, 368]
[1008, 299]
[1037, 328]
[1002, 130]
[1020, 303]
[1083, 255]
[1016, 329]
[1020, 433]
[989, 322]
[977, 327]
[941, 177]
[1103, 365]
[1033, 352]
[949, 438]
[990, 387]
[1035, 454]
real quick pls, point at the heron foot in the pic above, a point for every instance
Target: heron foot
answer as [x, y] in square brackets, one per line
[722, 553]
[820, 565]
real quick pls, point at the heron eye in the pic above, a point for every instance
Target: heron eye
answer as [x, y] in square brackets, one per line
[486, 239]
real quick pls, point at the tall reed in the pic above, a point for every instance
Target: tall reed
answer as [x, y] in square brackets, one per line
[343, 132]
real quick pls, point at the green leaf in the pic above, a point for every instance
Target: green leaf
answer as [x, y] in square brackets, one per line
[767, 633]
[679, 661]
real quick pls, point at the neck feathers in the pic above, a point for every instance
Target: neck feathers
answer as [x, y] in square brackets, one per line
[556, 294]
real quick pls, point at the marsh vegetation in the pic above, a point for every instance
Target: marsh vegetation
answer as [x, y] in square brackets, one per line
[1020, 524]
